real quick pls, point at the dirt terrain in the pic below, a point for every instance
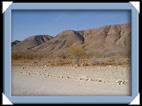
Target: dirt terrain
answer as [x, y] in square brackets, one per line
[70, 80]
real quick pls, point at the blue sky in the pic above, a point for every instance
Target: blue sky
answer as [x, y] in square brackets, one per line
[26, 23]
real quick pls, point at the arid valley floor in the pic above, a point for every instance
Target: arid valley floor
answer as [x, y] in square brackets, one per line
[28, 80]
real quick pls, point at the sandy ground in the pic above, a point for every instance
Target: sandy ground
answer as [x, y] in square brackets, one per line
[67, 80]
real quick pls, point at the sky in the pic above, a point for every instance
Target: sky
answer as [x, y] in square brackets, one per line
[26, 23]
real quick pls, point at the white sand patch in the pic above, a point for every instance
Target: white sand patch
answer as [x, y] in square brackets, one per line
[67, 80]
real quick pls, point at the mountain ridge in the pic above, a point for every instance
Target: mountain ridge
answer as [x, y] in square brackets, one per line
[110, 40]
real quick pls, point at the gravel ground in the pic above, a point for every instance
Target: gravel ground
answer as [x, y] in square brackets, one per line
[68, 80]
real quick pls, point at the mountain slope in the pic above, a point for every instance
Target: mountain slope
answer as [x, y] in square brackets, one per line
[113, 39]
[29, 43]
[15, 43]
[60, 43]
[107, 41]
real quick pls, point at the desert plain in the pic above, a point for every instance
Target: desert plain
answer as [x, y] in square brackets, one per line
[39, 80]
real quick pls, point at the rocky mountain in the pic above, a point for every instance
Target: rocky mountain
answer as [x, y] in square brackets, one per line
[15, 42]
[31, 42]
[111, 40]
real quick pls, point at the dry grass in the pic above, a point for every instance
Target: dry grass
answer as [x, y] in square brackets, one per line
[67, 61]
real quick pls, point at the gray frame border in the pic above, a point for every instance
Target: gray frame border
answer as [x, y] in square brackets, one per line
[71, 99]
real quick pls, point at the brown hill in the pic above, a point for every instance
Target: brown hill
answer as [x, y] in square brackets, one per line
[28, 44]
[108, 41]
[59, 45]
